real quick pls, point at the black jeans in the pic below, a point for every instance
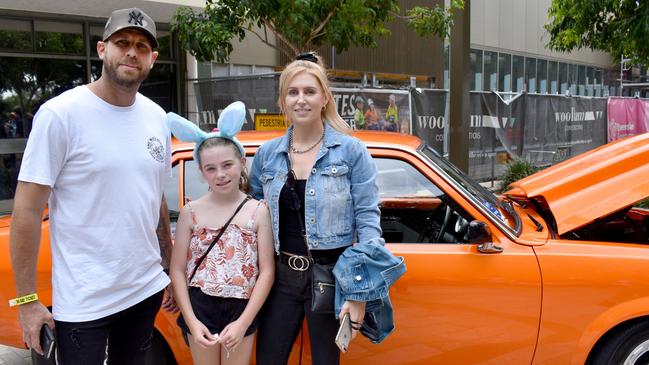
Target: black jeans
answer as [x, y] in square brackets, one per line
[281, 319]
[128, 334]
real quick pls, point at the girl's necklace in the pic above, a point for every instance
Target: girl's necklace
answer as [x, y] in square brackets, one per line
[295, 150]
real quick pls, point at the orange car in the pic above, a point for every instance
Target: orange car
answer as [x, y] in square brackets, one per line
[556, 271]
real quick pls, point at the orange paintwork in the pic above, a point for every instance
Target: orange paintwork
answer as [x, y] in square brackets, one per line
[589, 186]
[540, 301]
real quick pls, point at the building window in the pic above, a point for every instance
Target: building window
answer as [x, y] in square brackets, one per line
[563, 77]
[597, 80]
[504, 72]
[589, 81]
[490, 71]
[96, 35]
[518, 71]
[231, 69]
[15, 35]
[165, 49]
[581, 80]
[59, 37]
[476, 69]
[553, 77]
[530, 75]
[542, 74]
[572, 78]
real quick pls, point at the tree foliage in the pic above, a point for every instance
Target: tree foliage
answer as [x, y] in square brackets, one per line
[516, 170]
[620, 27]
[299, 25]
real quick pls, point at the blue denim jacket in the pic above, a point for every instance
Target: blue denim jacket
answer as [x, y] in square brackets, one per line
[341, 207]
[341, 199]
[365, 273]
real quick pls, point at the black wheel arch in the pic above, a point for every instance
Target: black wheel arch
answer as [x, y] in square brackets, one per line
[613, 335]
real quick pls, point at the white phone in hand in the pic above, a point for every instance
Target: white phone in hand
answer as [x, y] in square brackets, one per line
[344, 334]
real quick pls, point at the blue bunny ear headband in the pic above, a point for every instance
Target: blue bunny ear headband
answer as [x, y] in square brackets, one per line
[230, 122]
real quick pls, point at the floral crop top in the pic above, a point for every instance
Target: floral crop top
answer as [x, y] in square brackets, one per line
[230, 270]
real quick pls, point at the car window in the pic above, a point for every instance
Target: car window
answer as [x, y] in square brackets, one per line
[414, 209]
[477, 193]
[397, 178]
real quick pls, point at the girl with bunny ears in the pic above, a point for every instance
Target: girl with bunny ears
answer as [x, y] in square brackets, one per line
[222, 265]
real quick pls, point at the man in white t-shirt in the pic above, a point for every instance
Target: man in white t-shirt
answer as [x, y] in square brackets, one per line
[99, 154]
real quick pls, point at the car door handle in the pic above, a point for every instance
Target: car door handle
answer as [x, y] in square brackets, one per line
[489, 247]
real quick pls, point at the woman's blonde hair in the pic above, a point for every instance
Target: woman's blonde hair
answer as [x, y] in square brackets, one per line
[330, 113]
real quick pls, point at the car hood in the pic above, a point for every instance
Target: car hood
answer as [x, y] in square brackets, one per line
[591, 185]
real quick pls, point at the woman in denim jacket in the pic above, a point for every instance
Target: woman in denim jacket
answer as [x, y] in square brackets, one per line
[320, 186]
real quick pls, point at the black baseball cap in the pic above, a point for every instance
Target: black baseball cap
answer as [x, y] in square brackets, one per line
[131, 18]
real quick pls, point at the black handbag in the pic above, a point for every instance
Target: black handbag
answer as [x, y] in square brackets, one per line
[323, 288]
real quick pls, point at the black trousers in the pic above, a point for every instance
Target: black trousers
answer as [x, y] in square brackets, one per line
[281, 320]
[128, 334]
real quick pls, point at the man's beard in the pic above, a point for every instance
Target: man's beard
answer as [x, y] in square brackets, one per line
[111, 72]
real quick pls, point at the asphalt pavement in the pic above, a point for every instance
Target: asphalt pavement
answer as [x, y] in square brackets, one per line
[14, 356]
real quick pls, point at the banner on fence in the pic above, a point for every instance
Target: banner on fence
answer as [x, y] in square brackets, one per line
[374, 109]
[428, 116]
[542, 129]
[627, 117]
[539, 128]
[565, 125]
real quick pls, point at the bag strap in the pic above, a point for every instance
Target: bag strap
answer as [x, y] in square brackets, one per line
[302, 227]
[225, 226]
[297, 211]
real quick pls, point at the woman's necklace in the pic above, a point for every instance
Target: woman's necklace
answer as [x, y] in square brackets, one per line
[295, 150]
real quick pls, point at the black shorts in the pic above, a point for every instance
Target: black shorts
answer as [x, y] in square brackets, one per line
[215, 312]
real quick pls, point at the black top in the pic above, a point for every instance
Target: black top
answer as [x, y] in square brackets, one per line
[290, 229]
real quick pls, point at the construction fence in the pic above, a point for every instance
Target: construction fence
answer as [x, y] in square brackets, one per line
[543, 129]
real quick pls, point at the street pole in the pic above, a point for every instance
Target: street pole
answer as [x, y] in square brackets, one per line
[621, 73]
[623, 62]
[460, 77]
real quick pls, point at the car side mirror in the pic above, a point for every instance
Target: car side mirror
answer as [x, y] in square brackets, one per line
[480, 234]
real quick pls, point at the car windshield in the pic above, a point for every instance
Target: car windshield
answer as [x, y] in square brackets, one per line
[486, 200]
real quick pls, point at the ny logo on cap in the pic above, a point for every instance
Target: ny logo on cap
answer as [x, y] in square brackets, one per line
[135, 16]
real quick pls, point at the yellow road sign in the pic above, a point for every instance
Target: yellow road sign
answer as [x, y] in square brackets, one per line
[269, 122]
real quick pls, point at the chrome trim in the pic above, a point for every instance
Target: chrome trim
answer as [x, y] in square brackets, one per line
[637, 353]
[489, 247]
[492, 218]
